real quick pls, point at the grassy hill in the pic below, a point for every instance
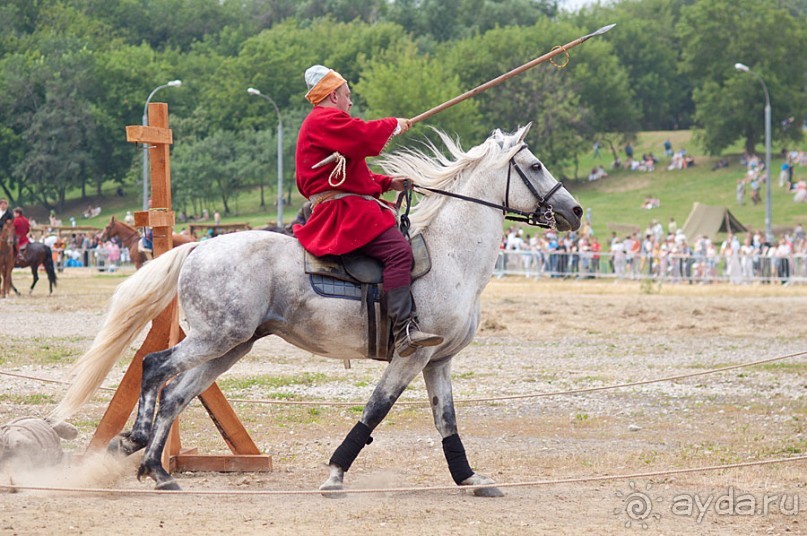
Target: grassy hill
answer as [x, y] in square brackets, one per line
[616, 200]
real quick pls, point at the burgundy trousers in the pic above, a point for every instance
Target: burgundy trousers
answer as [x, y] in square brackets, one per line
[394, 252]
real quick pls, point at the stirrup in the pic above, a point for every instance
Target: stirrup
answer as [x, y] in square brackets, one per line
[409, 346]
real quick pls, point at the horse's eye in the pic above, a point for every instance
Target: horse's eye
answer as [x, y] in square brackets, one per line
[536, 166]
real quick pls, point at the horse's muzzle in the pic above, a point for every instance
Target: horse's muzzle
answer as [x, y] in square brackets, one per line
[568, 220]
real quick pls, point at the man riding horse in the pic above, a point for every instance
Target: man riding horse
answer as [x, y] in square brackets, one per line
[347, 214]
[5, 214]
[21, 229]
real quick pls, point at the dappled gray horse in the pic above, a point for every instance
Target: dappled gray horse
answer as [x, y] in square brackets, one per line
[240, 287]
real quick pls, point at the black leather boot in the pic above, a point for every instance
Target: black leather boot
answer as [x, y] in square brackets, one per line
[408, 336]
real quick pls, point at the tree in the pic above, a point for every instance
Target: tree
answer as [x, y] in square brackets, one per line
[164, 24]
[427, 84]
[568, 106]
[716, 34]
[209, 168]
[646, 45]
[45, 98]
[57, 155]
[443, 20]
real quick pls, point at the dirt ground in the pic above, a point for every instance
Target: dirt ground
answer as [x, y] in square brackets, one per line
[536, 338]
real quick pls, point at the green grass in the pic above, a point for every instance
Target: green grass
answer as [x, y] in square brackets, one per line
[41, 350]
[270, 382]
[618, 199]
[615, 200]
[794, 368]
[28, 399]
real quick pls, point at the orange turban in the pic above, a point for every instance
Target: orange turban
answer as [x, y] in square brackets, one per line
[322, 82]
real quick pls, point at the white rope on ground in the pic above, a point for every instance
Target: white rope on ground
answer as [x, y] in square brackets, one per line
[45, 380]
[481, 400]
[11, 488]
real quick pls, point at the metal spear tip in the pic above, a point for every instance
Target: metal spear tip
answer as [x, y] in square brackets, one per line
[600, 31]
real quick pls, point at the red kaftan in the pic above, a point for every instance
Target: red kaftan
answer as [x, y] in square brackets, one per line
[342, 225]
[21, 229]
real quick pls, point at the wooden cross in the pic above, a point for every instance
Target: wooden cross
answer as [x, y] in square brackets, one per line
[165, 333]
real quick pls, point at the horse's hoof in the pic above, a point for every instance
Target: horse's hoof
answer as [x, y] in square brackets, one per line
[333, 487]
[115, 447]
[169, 485]
[122, 445]
[480, 480]
[488, 492]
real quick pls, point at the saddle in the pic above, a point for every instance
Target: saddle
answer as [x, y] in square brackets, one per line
[357, 277]
[145, 248]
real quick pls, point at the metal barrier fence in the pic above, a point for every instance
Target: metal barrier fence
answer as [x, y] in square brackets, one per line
[588, 265]
[97, 258]
[673, 268]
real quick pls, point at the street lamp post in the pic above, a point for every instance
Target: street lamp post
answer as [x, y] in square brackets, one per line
[768, 232]
[145, 123]
[253, 91]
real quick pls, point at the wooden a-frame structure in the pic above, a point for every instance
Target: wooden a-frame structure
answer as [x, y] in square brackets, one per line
[165, 332]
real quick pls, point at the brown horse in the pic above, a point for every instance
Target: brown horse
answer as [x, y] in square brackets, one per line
[6, 258]
[130, 238]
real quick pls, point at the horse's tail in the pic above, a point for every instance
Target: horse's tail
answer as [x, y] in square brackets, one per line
[49, 268]
[134, 304]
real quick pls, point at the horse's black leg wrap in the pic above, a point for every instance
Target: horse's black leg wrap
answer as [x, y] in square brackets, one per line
[347, 452]
[455, 456]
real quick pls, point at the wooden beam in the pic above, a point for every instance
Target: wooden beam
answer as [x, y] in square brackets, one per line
[155, 217]
[151, 134]
[227, 422]
[231, 463]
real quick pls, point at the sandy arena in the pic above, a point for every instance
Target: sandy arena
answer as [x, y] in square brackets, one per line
[536, 337]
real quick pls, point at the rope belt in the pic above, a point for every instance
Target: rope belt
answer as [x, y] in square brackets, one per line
[332, 195]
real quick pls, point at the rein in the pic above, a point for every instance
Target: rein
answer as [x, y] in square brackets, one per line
[542, 216]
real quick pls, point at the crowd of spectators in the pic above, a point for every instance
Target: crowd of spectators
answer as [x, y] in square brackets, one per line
[82, 249]
[657, 253]
[754, 176]
[647, 162]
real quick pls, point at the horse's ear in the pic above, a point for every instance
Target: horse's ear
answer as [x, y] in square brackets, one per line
[113, 219]
[522, 132]
[498, 137]
[511, 140]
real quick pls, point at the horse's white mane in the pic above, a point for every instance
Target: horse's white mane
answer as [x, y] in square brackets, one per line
[436, 170]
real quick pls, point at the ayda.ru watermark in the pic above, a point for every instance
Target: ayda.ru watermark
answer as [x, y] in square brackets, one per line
[734, 503]
[643, 506]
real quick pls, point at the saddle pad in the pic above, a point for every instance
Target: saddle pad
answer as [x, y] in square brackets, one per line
[330, 287]
[362, 269]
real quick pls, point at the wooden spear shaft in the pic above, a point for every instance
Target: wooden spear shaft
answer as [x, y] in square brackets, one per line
[487, 85]
[506, 76]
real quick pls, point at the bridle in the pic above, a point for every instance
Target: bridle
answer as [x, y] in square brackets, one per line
[542, 216]
[106, 234]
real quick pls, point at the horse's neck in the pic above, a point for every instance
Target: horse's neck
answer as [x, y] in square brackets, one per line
[464, 237]
[128, 235]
